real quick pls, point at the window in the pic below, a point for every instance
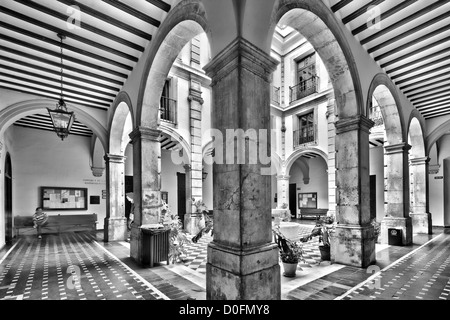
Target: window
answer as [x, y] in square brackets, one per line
[306, 78]
[306, 128]
[167, 104]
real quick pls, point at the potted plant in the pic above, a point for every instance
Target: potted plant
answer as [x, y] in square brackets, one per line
[178, 239]
[324, 227]
[291, 252]
[377, 228]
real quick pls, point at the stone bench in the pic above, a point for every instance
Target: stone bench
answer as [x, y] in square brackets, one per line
[309, 213]
[23, 225]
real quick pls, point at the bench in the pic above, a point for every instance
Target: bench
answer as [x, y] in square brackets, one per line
[309, 213]
[23, 225]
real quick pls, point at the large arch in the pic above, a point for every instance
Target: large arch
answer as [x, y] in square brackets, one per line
[416, 138]
[300, 152]
[186, 20]
[121, 111]
[384, 92]
[22, 109]
[436, 134]
[315, 21]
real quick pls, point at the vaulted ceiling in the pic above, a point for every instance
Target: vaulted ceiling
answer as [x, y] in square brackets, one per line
[104, 40]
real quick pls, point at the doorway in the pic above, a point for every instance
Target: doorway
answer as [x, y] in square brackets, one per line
[293, 199]
[181, 195]
[373, 197]
[8, 200]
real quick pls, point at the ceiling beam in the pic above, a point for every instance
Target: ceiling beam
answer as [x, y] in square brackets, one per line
[445, 86]
[413, 42]
[404, 21]
[425, 79]
[108, 19]
[135, 13]
[338, 6]
[383, 16]
[51, 129]
[65, 57]
[420, 67]
[40, 83]
[421, 82]
[417, 51]
[428, 57]
[52, 92]
[50, 97]
[425, 86]
[423, 74]
[434, 103]
[360, 11]
[23, 63]
[83, 25]
[410, 32]
[160, 4]
[432, 96]
[65, 46]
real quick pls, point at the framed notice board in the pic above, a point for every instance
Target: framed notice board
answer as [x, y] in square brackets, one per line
[307, 200]
[64, 198]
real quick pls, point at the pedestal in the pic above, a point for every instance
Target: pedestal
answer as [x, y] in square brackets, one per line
[405, 224]
[354, 245]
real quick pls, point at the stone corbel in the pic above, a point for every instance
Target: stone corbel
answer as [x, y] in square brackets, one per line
[97, 171]
[433, 168]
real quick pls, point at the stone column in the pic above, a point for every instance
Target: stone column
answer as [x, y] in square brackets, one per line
[283, 190]
[354, 238]
[115, 222]
[421, 218]
[396, 194]
[146, 184]
[193, 222]
[331, 157]
[446, 192]
[242, 259]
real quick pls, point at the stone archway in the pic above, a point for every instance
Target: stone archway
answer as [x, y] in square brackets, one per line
[418, 159]
[120, 125]
[396, 168]
[315, 21]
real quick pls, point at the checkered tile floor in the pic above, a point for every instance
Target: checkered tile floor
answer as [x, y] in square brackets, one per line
[70, 266]
[197, 252]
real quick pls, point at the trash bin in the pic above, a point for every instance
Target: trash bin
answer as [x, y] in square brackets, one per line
[395, 237]
[155, 246]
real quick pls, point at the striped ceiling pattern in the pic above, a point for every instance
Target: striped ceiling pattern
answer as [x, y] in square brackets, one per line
[410, 40]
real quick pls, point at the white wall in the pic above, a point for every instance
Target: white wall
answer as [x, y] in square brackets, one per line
[377, 168]
[318, 180]
[40, 158]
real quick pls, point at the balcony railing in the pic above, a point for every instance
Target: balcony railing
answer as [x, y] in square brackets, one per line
[275, 95]
[305, 135]
[304, 88]
[168, 109]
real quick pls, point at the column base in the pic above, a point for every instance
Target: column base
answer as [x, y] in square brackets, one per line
[115, 229]
[136, 244]
[193, 223]
[421, 223]
[243, 275]
[405, 224]
[353, 245]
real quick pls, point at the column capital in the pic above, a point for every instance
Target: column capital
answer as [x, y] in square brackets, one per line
[240, 53]
[195, 95]
[419, 161]
[358, 122]
[115, 158]
[396, 148]
[145, 133]
[187, 167]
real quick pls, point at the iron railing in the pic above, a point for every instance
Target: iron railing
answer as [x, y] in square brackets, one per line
[168, 109]
[304, 135]
[304, 88]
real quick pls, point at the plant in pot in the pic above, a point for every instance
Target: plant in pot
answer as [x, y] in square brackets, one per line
[291, 252]
[323, 228]
[376, 228]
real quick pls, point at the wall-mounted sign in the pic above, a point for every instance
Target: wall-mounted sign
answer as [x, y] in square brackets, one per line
[439, 177]
[103, 194]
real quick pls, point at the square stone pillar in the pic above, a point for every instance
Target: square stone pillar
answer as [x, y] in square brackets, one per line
[194, 221]
[242, 259]
[354, 242]
[146, 184]
[396, 194]
[115, 227]
[283, 190]
[331, 118]
[421, 218]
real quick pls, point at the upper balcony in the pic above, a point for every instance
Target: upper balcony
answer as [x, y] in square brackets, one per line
[168, 110]
[304, 89]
